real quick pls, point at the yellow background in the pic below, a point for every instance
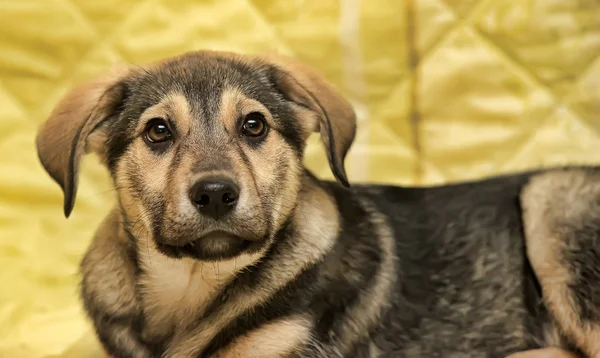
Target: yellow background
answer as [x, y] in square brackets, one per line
[501, 85]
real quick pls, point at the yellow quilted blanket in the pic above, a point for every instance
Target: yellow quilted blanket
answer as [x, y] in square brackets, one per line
[445, 90]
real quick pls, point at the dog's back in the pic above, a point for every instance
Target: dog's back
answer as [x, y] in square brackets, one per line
[464, 284]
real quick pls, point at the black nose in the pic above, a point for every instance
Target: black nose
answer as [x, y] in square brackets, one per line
[214, 197]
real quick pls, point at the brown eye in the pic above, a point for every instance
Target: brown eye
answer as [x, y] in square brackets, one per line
[254, 125]
[157, 131]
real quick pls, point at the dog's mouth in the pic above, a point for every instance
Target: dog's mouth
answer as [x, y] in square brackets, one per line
[217, 245]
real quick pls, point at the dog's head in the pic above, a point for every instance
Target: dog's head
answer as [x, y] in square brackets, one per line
[205, 148]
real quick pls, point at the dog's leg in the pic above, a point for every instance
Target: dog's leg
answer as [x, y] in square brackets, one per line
[108, 291]
[561, 214]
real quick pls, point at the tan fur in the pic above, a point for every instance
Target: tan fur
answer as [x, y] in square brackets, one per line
[265, 163]
[544, 353]
[176, 191]
[552, 336]
[338, 108]
[547, 198]
[318, 226]
[288, 193]
[136, 213]
[61, 140]
[337, 119]
[150, 171]
[105, 259]
[109, 278]
[174, 107]
[276, 339]
[235, 105]
[175, 291]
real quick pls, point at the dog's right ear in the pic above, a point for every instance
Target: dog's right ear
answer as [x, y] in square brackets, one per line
[336, 119]
[63, 139]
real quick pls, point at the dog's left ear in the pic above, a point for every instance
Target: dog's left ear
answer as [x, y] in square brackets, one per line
[336, 119]
[70, 130]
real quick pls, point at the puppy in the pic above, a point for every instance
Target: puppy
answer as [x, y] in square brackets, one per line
[223, 245]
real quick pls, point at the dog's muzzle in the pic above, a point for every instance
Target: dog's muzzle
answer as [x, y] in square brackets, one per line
[215, 197]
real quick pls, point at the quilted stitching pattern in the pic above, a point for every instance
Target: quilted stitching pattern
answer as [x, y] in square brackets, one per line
[500, 86]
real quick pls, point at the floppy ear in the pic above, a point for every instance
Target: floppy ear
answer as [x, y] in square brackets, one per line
[336, 119]
[63, 138]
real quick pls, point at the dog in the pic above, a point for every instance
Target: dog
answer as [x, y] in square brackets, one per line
[223, 245]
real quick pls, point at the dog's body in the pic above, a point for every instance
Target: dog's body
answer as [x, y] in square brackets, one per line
[285, 265]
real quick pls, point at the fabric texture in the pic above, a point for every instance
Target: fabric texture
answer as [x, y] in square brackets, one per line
[445, 90]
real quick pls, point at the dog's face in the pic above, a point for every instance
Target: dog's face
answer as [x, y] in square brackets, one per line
[205, 149]
[211, 156]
